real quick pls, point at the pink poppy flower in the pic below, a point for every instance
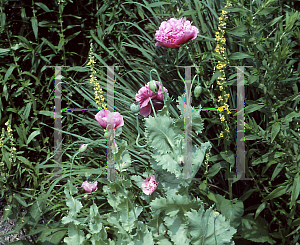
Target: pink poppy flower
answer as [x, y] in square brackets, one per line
[149, 185]
[89, 187]
[143, 98]
[102, 115]
[173, 33]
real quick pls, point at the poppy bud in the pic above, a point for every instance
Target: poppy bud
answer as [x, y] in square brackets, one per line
[180, 160]
[153, 86]
[197, 91]
[83, 147]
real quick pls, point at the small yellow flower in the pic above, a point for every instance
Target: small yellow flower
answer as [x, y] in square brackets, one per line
[228, 112]
[220, 108]
[220, 98]
[222, 118]
[221, 87]
[107, 228]
[226, 106]
[221, 134]
[227, 129]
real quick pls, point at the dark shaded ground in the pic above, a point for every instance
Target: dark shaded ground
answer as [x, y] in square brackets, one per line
[8, 226]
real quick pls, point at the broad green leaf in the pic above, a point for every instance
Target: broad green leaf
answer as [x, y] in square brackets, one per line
[4, 51]
[177, 230]
[240, 31]
[289, 117]
[61, 43]
[275, 131]
[32, 135]
[277, 170]
[3, 19]
[160, 134]
[35, 26]
[37, 81]
[152, 5]
[26, 112]
[25, 160]
[295, 190]
[232, 210]
[197, 121]
[72, 36]
[74, 205]
[5, 93]
[129, 218]
[95, 223]
[76, 235]
[266, 11]
[143, 235]
[20, 199]
[9, 72]
[208, 227]
[259, 209]
[172, 204]
[268, 156]
[228, 157]
[189, 12]
[254, 107]
[47, 113]
[239, 56]
[42, 6]
[247, 194]
[215, 168]
[255, 230]
[279, 191]
[296, 222]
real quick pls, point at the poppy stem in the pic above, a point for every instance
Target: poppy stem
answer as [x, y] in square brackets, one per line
[152, 106]
[137, 139]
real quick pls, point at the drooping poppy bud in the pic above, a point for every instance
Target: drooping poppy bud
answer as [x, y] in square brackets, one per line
[197, 91]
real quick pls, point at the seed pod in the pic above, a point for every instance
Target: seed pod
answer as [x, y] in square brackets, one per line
[135, 108]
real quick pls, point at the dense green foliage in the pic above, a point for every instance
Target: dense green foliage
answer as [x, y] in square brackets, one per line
[261, 34]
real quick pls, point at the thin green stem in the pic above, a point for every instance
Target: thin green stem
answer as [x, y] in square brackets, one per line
[72, 163]
[137, 125]
[152, 107]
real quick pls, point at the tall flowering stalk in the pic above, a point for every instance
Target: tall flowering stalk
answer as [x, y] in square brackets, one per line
[223, 98]
[12, 144]
[97, 89]
[220, 49]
